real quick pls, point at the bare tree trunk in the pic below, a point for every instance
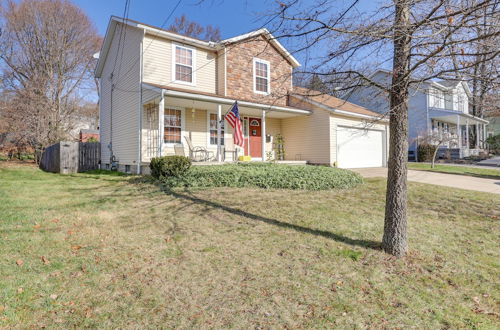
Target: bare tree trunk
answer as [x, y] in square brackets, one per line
[434, 156]
[395, 236]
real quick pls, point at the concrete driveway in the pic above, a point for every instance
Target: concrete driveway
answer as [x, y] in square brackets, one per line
[440, 179]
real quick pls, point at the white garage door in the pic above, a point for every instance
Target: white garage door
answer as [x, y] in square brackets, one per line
[359, 147]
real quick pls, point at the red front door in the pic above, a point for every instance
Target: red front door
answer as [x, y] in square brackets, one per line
[255, 136]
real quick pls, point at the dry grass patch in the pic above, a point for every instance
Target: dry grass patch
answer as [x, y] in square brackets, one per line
[123, 253]
[487, 173]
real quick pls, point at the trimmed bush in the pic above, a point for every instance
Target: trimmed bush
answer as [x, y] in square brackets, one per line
[267, 176]
[169, 167]
[425, 152]
[494, 143]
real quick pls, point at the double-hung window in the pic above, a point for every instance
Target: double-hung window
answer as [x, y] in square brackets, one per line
[213, 130]
[183, 64]
[173, 126]
[261, 76]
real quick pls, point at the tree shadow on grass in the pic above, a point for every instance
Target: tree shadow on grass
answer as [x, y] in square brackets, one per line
[322, 233]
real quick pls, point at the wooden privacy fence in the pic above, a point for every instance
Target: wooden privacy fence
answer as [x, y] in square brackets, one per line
[71, 157]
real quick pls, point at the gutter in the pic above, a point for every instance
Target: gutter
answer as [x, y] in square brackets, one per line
[139, 151]
[207, 98]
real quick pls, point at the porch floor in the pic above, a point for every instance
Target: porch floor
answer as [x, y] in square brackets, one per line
[284, 162]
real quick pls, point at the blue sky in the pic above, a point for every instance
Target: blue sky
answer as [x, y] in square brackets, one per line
[232, 16]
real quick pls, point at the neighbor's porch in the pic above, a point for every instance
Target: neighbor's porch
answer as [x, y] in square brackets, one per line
[183, 123]
[468, 133]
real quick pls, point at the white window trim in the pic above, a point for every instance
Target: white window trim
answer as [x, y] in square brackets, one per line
[255, 60]
[183, 126]
[225, 135]
[193, 50]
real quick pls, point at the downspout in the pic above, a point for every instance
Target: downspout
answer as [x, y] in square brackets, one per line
[161, 122]
[139, 142]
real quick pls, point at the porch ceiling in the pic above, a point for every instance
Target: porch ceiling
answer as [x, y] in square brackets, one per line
[210, 103]
[452, 119]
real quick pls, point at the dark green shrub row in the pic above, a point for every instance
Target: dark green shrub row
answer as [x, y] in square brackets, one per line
[169, 166]
[268, 176]
[494, 143]
[425, 152]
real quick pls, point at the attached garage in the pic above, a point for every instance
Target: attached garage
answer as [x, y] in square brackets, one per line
[336, 133]
[359, 147]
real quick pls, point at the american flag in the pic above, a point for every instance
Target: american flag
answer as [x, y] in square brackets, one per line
[233, 118]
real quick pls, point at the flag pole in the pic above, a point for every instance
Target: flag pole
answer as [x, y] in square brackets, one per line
[219, 131]
[231, 107]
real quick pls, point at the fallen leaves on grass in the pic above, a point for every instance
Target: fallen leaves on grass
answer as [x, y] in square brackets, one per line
[45, 260]
[53, 296]
[19, 262]
[76, 247]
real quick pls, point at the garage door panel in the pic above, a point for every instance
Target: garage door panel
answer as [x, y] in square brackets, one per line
[358, 147]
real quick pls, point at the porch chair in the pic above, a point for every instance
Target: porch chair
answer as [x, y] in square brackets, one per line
[230, 148]
[198, 153]
[179, 150]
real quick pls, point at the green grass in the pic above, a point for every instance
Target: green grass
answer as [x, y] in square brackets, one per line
[487, 173]
[267, 176]
[120, 253]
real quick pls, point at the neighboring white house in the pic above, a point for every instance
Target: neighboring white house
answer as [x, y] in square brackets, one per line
[160, 90]
[435, 106]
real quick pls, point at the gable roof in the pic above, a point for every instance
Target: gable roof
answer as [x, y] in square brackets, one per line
[332, 103]
[161, 32]
[270, 38]
[442, 84]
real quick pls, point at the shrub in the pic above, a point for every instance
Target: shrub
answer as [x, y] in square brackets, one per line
[425, 152]
[169, 166]
[494, 143]
[267, 176]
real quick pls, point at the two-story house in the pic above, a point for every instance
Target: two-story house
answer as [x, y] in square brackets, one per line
[160, 90]
[435, 107]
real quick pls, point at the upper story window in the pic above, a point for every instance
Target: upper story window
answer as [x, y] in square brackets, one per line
[183, 64]
[436, 98]
[261, 76]
[448, 101]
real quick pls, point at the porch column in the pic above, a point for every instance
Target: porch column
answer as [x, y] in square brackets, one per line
[263, 133]
[467, 136]
[161, 124]
[485, 135]
[219, 131]
[459, 134]
[477, 136]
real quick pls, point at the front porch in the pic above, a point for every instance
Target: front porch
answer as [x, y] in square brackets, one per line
[467, 133]
[173, 119]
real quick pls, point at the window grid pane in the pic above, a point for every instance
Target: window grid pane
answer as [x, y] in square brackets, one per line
[183, 64]
[183, 73]
[172, 126]
[261, 77]
[261, 84]
[213, 130]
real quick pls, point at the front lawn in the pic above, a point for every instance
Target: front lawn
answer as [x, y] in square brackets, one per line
[487, 173]
[96, 250]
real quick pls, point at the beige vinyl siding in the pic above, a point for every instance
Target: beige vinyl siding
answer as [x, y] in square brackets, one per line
[158, 65]
[358, 123]
[126, 98]
[149, 95]
[273, 128]
[221, 65]
[307, 137]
